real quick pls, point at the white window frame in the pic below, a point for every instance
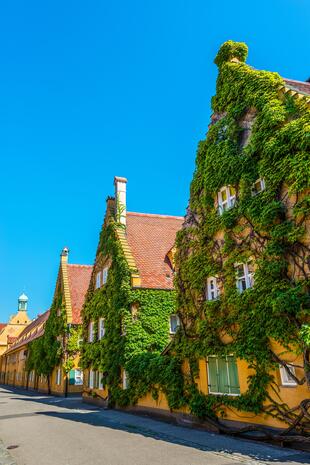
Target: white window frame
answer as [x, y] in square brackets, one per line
[91, 379]
[58, 376]
[247, 277]
[100, 383]
[171, 330]
[228, 377]
[78, 377]
[125, 380]
[213, 291]
[262, 185]
[105, 273]
[229, 202]
[286, 380]
[91, 332]
[98, 280]
[101, 328]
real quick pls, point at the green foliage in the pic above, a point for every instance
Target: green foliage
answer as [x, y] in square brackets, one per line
[59, 343]
[133, 339]
[256, 133]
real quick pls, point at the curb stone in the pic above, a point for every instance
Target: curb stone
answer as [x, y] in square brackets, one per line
[5, 456]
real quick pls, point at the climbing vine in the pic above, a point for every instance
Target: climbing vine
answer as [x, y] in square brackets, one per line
[136, 326]
[59, 344]
[257, 132]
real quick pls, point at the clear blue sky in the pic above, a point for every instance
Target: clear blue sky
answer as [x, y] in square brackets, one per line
[92, 89]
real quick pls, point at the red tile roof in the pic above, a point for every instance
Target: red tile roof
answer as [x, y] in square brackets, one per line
[2, 326]
[299, 86]
[150, 238]
[79, 277]
[30, 333]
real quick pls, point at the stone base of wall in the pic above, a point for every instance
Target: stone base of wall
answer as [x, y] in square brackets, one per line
[94, 400]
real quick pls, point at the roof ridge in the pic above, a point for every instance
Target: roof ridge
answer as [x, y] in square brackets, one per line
[155, 215]
[296, 80]
[80, 266]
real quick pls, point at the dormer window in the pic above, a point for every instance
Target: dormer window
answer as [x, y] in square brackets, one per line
[213, 291]
[105, 272]
[174, 323]
[258, 186]
[98, 279]
[91, 332]
[226, 199]
[244, 276]
[101, 328]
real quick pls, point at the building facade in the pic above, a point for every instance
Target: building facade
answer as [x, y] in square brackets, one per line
[129, 312]
[241, 355]
[16, 324]
[46, 354]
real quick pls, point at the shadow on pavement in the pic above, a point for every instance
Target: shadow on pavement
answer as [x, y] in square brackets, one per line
[123, 421]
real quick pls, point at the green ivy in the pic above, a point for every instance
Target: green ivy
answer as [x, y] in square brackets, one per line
[259, 227]
[131, 341]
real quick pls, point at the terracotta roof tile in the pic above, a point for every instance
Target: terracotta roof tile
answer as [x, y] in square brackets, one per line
[34, 330]
[2, 326]
[150, 238]
[299, 86]
[79, 277]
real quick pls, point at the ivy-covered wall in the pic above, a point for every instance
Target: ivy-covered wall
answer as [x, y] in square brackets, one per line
[256, 132]
[136, 325]
[59, 345]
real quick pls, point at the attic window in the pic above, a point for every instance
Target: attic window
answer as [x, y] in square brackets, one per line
[226, 199]
[98, 279]
[105, 272]
[213, 291]
[258, 186]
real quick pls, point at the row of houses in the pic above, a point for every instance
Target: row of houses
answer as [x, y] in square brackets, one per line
[203, 316]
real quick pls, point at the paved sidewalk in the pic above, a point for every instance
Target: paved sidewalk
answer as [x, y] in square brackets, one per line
[5, 457]
[51, 430]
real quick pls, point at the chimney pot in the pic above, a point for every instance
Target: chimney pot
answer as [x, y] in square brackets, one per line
[120, 198]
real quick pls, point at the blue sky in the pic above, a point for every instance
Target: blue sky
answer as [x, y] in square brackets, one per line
[89, 90]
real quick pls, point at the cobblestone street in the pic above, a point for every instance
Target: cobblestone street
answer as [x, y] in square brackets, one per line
[50, 430]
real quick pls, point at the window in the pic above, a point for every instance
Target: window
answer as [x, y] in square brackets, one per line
[226, 198]
[76, 377]
[105, 275]
[213, 291]
[258, 186]
[174, 323]
[98, 279]
[91, 379]
[101, 326]
[58, 376]
[100, 383]
[244, 276]
[91, 332]
[286, 379]
[223, 375]
[125, 380]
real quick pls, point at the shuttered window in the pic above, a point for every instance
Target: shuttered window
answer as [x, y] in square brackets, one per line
[223, 375]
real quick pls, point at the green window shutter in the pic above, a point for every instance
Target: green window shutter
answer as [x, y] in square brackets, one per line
[212, 374]
[72, 377]
[223, 376]
[233, 375]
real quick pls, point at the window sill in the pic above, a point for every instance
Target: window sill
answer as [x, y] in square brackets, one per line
[223, 394]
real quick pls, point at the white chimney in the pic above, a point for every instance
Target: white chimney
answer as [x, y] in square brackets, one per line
[120, 199]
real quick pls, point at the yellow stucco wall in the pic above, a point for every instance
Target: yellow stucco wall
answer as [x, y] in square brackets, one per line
[291, 395]
[14, 327]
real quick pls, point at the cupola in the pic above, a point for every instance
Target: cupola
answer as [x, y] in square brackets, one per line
[22, 302]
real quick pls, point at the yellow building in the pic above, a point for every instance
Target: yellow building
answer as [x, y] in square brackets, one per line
[243, 264]
[15, 325]
[25, 362]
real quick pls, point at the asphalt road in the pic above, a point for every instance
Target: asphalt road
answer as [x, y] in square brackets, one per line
[49, 430]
